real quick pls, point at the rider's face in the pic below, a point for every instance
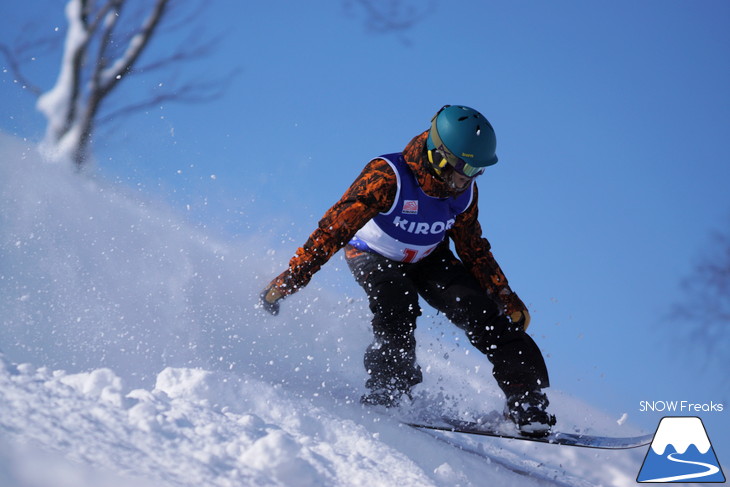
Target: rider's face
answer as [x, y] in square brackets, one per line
[456, 181]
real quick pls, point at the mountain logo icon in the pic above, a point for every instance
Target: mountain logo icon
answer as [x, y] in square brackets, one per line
[680, 452]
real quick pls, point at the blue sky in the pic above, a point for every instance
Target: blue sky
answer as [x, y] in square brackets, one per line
[611, 120]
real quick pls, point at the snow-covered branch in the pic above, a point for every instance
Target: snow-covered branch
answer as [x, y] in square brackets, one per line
[101, 49]
[105, 44]
[111, 76]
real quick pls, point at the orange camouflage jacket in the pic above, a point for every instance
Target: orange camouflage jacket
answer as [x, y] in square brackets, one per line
[374, 192]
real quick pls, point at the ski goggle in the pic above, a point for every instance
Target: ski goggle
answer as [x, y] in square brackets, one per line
[459, 165]
[447, 157]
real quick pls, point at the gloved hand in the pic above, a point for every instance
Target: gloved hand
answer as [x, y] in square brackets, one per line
[270, 298]
[521, 317]
[514, 308]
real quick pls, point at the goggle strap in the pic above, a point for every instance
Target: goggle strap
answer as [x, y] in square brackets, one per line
[437, 167]
[437, 142]
[436, 139]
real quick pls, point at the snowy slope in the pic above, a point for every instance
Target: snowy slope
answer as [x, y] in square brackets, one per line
[132, 354]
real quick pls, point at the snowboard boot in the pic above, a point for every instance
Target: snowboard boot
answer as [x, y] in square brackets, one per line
[527, 410]
[390, 398]
[386, 393]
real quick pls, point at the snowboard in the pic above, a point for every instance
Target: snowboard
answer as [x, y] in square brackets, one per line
[555, 437]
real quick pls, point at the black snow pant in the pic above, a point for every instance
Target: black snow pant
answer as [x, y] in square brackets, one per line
[393, 289]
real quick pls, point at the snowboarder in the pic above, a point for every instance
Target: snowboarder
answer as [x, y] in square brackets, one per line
[395, 222]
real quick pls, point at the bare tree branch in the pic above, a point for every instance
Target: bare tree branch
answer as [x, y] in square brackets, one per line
[86, 80]
[188, 93]
[23, 50]
[704, 311]
[14, 66]
[104, 46]
[392, 16]
[194, 49]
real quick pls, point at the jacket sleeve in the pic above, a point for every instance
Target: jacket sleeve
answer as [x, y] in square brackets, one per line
[371, 193]
[475, 251]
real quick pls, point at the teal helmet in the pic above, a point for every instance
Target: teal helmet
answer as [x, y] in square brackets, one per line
[463, 138]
